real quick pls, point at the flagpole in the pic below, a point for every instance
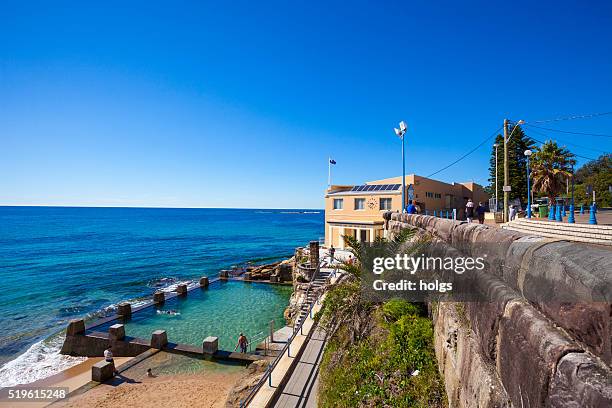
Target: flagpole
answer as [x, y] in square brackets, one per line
[329, 171]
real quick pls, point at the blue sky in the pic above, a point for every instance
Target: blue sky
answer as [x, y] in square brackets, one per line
[217, 105]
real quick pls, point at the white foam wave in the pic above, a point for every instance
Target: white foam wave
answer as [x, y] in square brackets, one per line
[41, 360]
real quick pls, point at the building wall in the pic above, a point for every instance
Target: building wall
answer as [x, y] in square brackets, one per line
[442, 196]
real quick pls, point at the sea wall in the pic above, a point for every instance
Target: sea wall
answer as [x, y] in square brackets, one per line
[544, 338]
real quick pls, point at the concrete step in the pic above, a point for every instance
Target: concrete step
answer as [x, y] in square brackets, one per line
[581, 230]
[603, 229]
[559, 234]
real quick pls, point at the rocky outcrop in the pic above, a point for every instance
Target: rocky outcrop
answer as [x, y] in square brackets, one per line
[543, 335]
[244, 385]
[277, 272]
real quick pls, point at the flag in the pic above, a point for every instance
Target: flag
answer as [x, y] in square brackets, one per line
[332, 161]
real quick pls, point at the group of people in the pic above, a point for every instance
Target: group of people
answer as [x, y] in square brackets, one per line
[472, 211]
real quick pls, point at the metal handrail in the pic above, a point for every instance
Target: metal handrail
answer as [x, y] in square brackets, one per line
[268, 373]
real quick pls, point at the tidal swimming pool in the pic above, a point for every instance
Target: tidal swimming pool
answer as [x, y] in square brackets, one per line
[224, 310]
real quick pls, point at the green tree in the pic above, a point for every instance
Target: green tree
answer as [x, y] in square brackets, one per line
[551, 167]
[518, 143]
[598, 175]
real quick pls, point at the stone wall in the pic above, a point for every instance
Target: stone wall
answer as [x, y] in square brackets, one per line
[520, 349]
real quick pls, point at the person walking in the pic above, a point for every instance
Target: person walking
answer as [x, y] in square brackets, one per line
[332, 252]
[512, 212]
[469, 210]
[242, 343]
[480, 212]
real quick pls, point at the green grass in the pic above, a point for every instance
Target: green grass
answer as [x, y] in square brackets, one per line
[374, 369]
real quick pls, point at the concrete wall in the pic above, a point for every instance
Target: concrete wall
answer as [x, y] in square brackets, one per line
[544, 339]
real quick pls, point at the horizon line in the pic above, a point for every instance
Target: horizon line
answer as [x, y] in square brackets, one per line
[154, 207]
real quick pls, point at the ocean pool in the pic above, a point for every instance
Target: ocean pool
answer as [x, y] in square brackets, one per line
[224, 310]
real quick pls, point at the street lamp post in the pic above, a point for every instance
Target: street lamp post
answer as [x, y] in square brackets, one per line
[496, 193]
[400, 133]
[571, 218]
[527, 155]
[507, 166]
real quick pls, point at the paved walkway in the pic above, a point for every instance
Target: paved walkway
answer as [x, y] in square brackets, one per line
[302, 387]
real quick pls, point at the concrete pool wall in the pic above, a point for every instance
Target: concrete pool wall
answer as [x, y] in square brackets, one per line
[91, 340]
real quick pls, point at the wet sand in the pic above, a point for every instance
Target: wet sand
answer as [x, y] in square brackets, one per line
[176, 390]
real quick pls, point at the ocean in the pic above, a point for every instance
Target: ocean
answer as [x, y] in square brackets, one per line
[60, 263]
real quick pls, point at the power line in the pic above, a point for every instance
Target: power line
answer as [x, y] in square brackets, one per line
[570, 132]
[467, 154]
[573, 117]
[572, 144]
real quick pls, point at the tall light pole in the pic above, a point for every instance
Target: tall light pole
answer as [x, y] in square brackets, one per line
[400, 133]
[571, 218]
[527, 155]
[496, 191]
[507, 166]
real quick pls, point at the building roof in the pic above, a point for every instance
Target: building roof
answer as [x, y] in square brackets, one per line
[368, 189]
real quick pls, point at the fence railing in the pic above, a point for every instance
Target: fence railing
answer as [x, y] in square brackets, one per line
[287, 348]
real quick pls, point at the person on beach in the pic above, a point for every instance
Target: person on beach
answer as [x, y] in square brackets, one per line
[150, 373]
[242, 343]
[480, 211]
[469, 210]
[411, 209]
[108, 357]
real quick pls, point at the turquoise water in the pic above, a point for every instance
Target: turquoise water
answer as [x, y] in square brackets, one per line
[60, 263]
[224, 310]
[164, 363]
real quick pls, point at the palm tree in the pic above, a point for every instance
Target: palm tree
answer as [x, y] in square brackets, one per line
[552, 165]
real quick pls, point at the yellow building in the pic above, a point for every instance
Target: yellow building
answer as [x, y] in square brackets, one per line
[357, 210]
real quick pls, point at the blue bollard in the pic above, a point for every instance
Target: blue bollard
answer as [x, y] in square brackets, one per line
[559, 214]
[571, 218]
[564, 213]
[581, 209]
[551, 213]
[593, 218]
[435, 215]
[447, 217]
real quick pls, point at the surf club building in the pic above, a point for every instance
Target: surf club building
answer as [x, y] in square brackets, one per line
[356, 210]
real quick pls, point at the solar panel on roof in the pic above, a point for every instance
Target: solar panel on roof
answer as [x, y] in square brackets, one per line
[377, 188]
[361, 188]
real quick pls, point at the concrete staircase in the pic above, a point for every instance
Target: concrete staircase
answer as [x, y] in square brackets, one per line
[590, 234]
[281, 336]
[318, 281]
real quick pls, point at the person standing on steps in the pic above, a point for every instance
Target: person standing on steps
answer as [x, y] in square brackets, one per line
[469, 210]
[332, 252]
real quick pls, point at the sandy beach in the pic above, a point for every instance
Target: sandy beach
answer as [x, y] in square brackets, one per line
[180, 390]
[73, 378]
